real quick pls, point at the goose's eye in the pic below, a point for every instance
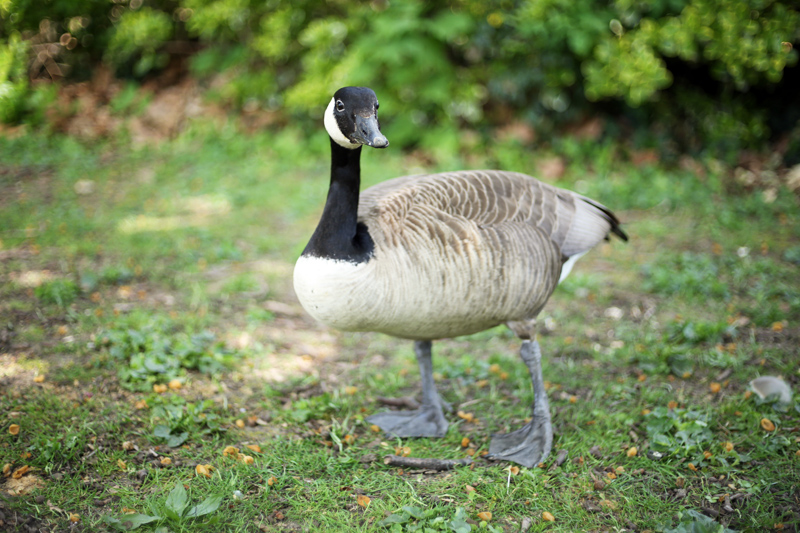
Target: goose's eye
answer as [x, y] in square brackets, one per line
[377, 105]
[339, 106]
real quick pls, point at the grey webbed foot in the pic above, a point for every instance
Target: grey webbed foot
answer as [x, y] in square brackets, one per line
[427, 421]
[529, 445]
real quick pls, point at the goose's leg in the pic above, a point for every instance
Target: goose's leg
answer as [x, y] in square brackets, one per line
[530, 444]
[428, 420]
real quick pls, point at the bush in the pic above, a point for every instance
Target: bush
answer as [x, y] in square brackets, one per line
[465, 63]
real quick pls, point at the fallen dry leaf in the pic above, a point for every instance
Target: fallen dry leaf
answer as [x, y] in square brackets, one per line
[470, 488]
[672, 405]
[547, 517]
[175, 384]
[362, 500]
[350, 390]
[481, 383]
[645, 412]
[728, 446]
[230, 451]
[464, 442]
[485, 515]
[680, 482]
[128, 510]
[240, 423]
[573, 399]
[141, 404]
[632, 451]
[513, 470]
[715, 387]
[611, 475]
[503, 375]
[707, 454]
[38, 379]
[620, 469]
[349, 439]
[642, 377]
[255, 447]
[22, 486]
[166, 461]
[121, 464]
[204, 470]
[469, 417]
[21, 471]
[13, 429]
[767, 424]
[692, 467]
[74, 518]
[159, 388]
[747, 394]
[494, 368]
[272, 480]
[608, 504]
[375, 429]
[403, 451]
[7, 469]
[248, 460]
[471, 452]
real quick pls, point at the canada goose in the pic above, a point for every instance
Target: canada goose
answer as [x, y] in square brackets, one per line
[432, 256]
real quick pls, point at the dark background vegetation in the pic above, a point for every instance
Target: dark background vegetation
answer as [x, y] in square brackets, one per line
[681, 76]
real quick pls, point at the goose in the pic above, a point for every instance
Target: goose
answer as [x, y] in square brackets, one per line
[434, 256]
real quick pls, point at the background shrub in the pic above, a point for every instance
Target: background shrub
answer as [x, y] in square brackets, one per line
[712, 73]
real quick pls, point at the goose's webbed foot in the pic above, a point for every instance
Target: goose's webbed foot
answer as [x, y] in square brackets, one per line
[529, 445]
[427, 421]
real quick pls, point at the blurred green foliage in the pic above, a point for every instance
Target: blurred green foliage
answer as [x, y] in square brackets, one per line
[454, 65]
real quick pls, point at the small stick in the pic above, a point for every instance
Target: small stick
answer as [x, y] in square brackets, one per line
[405, 401]
[562, 456]
[425, 463]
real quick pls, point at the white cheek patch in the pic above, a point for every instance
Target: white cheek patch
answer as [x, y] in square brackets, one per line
[333, 128]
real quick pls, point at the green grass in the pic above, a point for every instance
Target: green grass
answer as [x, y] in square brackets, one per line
[175, 264]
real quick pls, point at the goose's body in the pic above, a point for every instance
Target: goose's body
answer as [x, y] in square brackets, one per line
[454, 253]
[433, 256]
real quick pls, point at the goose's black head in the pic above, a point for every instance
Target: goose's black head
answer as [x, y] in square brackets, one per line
[352, 118]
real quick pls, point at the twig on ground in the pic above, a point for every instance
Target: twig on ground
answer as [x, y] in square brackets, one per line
[405, 401]
[425, 463]
[560, 458]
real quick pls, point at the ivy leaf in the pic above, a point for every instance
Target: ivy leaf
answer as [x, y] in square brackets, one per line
[177, 499]
[416, 512]
[176, 440]
[395, 518]
[130, 522]
[207, 506]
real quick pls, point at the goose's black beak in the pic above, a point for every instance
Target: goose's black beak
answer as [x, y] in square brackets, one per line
[367, 132]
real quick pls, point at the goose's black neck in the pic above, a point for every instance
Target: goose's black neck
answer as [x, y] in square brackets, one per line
[339, 235]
